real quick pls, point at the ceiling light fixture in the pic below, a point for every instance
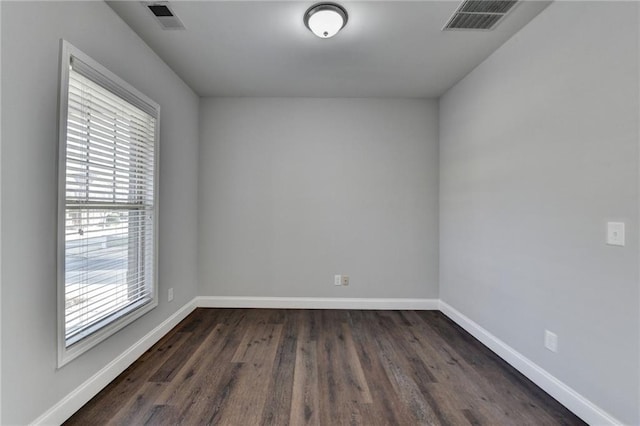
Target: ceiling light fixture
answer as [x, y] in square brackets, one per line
[325, 19]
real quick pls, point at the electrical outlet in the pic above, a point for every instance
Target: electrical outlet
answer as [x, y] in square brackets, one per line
[345, 280]
[615, 233]
[337, 280]
[170, 295]
[551, 341]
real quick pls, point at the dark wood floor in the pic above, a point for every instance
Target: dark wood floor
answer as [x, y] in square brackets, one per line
[279, 367]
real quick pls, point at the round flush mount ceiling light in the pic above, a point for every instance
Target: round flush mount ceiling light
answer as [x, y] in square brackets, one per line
[325, 19]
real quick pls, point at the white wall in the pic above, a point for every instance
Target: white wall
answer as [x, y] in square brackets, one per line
[0, 224]
[293, 191]
[30, 49]
[538, 150]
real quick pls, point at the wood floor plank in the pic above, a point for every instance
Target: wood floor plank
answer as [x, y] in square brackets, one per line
[198, 325]
[139, 407]
[403, 383]
[305, 404]
[160, 415]
[321, 367]
[245, 389]
[387, 408]
[279, 395]
[259, 344]
[355, 375]
[342, 386]
[247, 393]
[187, 375]
[208, 368]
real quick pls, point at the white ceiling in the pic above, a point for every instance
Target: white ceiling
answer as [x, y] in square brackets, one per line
[262, 48]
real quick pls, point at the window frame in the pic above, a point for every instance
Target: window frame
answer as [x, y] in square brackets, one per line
[114, 84]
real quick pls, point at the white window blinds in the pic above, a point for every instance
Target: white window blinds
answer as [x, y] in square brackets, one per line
[109, 202]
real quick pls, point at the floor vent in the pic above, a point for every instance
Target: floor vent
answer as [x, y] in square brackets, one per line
[164, 15]
[479, 14]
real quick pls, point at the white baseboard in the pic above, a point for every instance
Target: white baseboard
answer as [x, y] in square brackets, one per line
[316, 303]
[82, 394]
[568, 397]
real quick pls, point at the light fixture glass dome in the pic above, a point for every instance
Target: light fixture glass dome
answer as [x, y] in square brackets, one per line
[325, 19]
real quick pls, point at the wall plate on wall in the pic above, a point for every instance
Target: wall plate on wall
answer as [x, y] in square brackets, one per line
[615, 234]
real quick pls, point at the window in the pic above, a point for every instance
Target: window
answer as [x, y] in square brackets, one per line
[107, 204]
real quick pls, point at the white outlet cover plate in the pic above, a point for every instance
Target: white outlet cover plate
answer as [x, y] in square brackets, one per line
[551, 341]
[615, 234]
[337, 280]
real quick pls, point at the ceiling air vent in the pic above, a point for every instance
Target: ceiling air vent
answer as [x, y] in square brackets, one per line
[479, 14]
[164, 15]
